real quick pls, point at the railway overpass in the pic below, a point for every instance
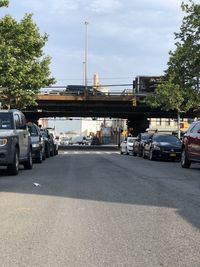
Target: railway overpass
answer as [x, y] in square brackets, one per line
[115, 105]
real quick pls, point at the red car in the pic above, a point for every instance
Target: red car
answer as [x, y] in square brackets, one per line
[191, 145]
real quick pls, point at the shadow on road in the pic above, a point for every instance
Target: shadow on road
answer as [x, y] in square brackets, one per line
[113, 179]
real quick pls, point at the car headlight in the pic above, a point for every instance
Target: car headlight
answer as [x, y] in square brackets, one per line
[156, 147]
[3, 141]
[35, 145]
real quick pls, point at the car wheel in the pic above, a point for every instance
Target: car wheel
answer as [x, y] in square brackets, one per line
[28, 165]
[52, 152]
[143, 154]
[134, 153]
[43, 156]
[47, 151]
[13, 169]
[140, 152]
[40, 157]
[121, 152]
[185, 162]
[151, 156]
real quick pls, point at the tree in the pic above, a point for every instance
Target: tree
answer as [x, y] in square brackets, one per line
[24, 68]
[4, 3]
[179, 90]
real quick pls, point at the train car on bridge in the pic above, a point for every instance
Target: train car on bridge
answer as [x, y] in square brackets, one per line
[146, 84]
[81, 90]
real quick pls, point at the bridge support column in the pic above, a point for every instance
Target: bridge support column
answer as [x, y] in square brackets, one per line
[138, 125]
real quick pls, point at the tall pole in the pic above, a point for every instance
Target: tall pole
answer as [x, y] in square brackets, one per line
[178, 124]
[86, 55]
[83, 73]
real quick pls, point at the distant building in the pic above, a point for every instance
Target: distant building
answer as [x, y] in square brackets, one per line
[168, 124]
[43, 122]
[90, 126]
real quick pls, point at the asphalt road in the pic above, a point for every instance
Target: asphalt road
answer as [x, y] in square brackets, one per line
[99, 208]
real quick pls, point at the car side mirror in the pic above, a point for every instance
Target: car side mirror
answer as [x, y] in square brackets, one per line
[198, 131]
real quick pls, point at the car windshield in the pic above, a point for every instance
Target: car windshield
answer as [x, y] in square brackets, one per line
[6, 121]
[130, 140]
[43, 132]
[33, 131]
[166, 138]
[145, 136]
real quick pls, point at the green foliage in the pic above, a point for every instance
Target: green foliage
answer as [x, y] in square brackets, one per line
[180, 89]
[4, 3]
[24, 68]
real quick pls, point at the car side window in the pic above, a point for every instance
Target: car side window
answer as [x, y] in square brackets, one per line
[17, 120]
[195, 128]
[23, 119]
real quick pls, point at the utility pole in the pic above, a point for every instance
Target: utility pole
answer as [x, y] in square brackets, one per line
[83, 72]
[86, 56]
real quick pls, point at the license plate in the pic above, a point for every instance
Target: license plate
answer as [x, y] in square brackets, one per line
[172, 155]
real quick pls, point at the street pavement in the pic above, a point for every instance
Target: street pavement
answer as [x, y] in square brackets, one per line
[100, 208]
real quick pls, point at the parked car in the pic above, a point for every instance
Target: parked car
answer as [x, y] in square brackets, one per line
[54, 140]
[191, 145]
[38, 144]
[126, 146]
[64, 141]
[48, 140]
[88, 141]
[162, 146]
[95, 141]
[15, 141]
[138, 145]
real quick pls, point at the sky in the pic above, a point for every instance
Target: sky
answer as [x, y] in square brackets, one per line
[125, 38]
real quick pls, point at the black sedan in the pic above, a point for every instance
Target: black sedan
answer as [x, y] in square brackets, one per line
[162, 146]
[38, 153]
[139, 143]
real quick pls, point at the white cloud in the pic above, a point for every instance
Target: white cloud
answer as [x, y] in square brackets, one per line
[63, 7]
[105, 6]
[124, 35]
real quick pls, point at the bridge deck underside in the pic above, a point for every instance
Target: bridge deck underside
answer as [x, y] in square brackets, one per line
[96, 108]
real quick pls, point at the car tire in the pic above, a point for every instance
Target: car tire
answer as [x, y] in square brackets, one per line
[52, 152]
[44, 156]
[28, 165]
[13, 168]
[185, 162]
[151, 156]
[47, 151]
[134, 153]
[40, 157]
[143, 154]
[140, 152]
[121, 152]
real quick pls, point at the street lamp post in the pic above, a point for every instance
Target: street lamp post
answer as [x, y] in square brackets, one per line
[86, 55]
[83, 73]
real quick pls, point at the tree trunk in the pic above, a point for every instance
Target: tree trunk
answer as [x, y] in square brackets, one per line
[178, 124]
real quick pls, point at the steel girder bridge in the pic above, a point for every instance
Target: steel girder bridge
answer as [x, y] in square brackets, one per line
[128, 106]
